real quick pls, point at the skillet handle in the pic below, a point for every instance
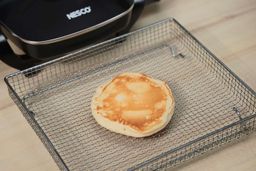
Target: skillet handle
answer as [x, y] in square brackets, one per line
[147, 2]
[8, 57]
[137, 10]
[2, 39]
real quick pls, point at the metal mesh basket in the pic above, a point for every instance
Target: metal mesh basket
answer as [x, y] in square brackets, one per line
[213, 106]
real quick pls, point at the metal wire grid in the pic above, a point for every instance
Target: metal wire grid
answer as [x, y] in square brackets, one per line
[213, 105]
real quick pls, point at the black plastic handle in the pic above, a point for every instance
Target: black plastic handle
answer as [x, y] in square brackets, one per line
[147, 2]
[137, 10]
[8, 56]
[2, 39]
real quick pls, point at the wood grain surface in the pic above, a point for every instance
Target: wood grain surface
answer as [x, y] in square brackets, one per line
[227, 28]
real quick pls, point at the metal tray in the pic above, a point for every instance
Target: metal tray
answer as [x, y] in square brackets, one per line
[213, 106]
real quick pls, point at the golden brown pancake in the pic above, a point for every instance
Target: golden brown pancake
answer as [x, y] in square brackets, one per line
[133, 104]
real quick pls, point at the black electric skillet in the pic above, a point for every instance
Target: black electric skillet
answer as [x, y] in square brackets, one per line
[34, 31]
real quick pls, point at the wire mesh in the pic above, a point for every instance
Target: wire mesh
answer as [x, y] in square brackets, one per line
[213, 106]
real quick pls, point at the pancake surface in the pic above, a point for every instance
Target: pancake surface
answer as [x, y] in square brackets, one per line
[133, 104]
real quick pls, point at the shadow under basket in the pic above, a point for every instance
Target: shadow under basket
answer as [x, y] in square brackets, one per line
[213, 106]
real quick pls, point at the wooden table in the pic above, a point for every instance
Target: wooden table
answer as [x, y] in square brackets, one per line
[227, 28]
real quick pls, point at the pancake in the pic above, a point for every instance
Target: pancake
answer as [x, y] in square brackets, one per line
[133, 104]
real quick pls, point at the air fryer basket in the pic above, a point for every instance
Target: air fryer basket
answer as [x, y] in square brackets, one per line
[213, 106]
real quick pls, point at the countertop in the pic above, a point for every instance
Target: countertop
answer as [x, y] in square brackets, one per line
[227, 28]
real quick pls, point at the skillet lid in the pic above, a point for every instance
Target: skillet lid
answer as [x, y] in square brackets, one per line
[49, 20]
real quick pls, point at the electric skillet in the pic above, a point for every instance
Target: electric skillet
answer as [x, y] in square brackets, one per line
[39, 30]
